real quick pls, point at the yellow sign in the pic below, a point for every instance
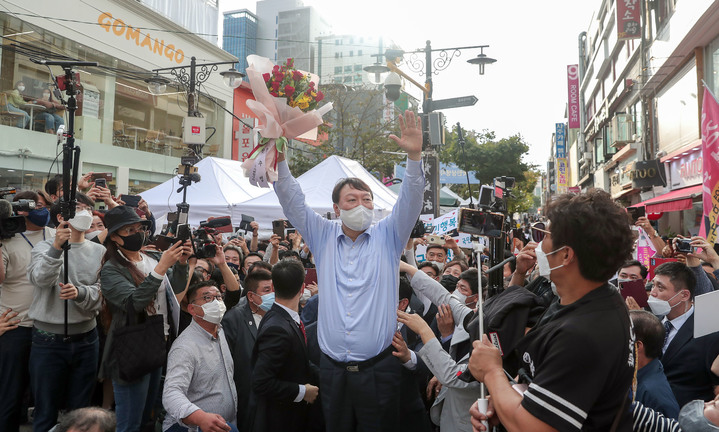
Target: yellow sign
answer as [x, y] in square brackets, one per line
[119, 28]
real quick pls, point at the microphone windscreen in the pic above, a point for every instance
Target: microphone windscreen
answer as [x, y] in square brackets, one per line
[5, 209]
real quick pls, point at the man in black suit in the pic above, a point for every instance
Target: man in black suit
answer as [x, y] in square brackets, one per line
[687, 361]
[284, 381]
[240, 325]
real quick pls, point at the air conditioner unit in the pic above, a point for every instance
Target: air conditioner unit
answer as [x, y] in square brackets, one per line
[622, 130]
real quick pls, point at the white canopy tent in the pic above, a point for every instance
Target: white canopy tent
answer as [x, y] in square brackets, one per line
[222, 187]
[317, 185]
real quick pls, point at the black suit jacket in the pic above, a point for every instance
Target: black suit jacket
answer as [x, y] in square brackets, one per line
[687, 363]
[241, 332]
[412, 408]
[280, 364]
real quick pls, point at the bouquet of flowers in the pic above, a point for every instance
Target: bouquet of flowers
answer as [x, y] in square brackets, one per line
[286, 105]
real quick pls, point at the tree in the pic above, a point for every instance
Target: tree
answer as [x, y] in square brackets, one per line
[359, 130]
[491, 158]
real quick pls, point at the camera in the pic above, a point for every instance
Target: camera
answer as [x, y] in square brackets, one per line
[683, 245]
[10, 222]
[480, 223]
[203, 243]
[23, 205]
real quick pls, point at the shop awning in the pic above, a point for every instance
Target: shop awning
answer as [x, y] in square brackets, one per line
[676, 200]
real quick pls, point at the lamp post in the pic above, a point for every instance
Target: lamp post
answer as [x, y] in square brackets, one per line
[157, 84]
[426, 67]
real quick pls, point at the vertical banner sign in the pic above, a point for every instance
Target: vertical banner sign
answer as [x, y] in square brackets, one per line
[431, 194]
[560, 141]
[562, 175]
[573, 95]
[628, 19]
[710, 157]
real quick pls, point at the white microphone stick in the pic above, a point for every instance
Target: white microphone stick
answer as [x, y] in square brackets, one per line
[482, 402]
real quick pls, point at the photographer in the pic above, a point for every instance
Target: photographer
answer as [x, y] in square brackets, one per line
[63, 371]
[17, 294]
[129, 275]
[579, 356]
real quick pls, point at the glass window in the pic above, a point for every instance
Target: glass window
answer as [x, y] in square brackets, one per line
[677, 121]
[114, 109]
[348, 68]
[348, 79]
[352, 53]
[712, 61]
[338, 69]
[358, 68]
[359, 53]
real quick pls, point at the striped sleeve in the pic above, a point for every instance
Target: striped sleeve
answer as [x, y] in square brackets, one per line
[568, 414]
[647, 420]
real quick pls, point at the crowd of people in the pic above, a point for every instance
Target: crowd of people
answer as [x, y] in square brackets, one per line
[337, 327]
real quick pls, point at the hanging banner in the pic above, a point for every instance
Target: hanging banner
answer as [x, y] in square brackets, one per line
[560, 140]
[573, 96]
[645, 248]
[710, 162]
[628, 19]
[562, 175]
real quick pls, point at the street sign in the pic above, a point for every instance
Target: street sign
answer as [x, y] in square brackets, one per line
[457, 102]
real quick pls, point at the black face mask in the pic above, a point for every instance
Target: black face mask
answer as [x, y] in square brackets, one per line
[133, 242]
[449, 282]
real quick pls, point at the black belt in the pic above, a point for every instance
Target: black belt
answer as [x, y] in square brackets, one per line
[62, 338]
[362, 365]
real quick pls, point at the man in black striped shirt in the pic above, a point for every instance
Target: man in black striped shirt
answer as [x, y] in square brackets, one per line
[579, 358]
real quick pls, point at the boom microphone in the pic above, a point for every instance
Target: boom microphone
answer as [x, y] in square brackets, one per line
[63, 63]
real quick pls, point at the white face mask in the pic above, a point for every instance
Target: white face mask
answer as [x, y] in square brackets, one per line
[459, 296]
[543, 262]
[82, 220]
[661, 307]
[91, 235]
[440, 265]
[214, 311]
[21, 88]
[358, 218]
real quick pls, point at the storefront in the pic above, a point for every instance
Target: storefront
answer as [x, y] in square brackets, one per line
[120, 126]
[679, 210]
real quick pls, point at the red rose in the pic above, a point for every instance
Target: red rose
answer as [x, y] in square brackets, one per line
[290, 62]
[320, 96]
[275, 69]
[275, 86]
[266, 77]
[274, 94]
[289, 90]
[297, 75]
[312, 84]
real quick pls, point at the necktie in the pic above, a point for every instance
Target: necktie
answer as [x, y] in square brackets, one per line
[667, 328]
[302, 329]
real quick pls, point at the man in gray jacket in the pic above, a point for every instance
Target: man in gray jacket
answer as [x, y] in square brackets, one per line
[63, 367]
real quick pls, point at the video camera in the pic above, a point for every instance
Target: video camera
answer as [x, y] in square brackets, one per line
[10, 222]
[203, 242]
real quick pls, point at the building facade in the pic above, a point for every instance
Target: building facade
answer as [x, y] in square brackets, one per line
[240, 35]
[641, 66]
[120, 126]
[197, 16]
[341, 58]
[267, 12]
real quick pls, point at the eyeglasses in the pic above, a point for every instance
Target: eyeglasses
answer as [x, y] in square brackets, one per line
[539, 231]
[208, 298]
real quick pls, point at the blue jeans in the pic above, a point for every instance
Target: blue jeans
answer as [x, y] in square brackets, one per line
[134, 401]
[14, 376]
[52, 120]
[62, 374]
[23, 121]
[177, 428]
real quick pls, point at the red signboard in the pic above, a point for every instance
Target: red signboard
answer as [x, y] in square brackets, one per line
[573, 95]
[242, 143]
[628, 19]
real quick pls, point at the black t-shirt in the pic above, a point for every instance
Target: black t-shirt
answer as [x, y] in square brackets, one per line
[581, 362]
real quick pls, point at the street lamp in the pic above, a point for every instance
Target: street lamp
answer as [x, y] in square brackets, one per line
[157, 84]
[427, 67]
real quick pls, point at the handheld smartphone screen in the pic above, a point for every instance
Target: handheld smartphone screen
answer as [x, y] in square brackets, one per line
[278, 227]
[310, 276]
[131, 200]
